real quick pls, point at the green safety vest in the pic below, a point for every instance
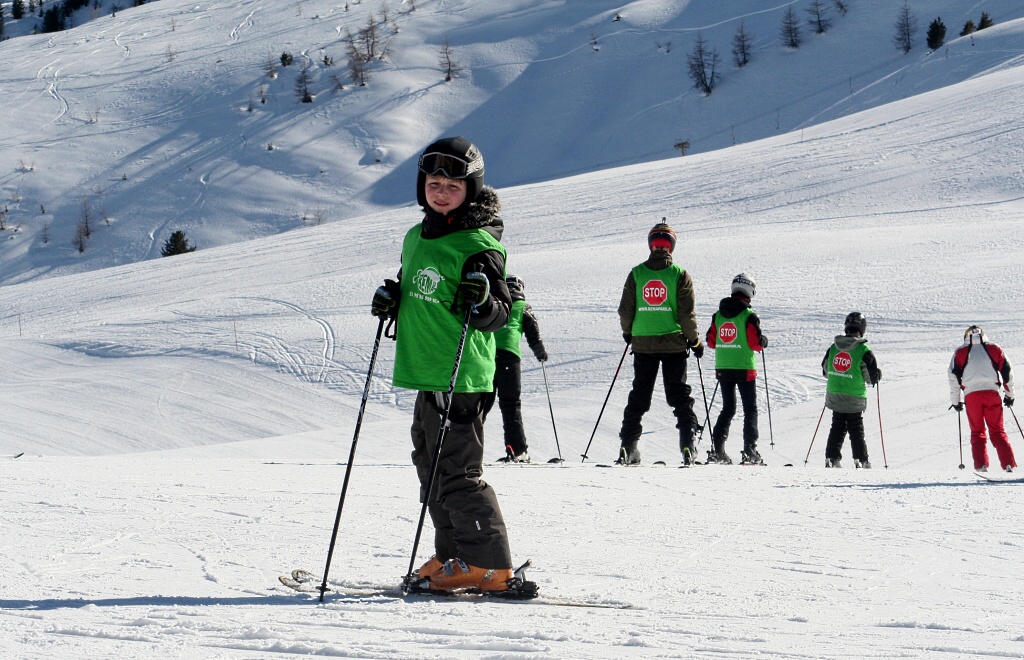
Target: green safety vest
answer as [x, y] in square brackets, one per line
[844, 373]
[428, 333]
[656, 292]
[732, 351]
[509, 337]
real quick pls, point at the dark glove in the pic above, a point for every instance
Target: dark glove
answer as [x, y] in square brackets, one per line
[764, 342]
[1008, 401]
[959, 407]
[878, 376]
[385, 300]
[627, 337]
[698, 349]
[540, 354]
[473, 291]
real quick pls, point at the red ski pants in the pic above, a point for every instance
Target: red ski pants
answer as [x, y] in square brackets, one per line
[986, 407]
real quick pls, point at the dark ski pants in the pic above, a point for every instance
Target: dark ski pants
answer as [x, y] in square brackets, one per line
[748, 395]
[508, 384]
[677, 394]
[986, 408]
[843, 423]
[464, 509]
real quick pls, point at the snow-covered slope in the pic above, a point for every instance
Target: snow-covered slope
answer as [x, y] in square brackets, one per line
[152, 115]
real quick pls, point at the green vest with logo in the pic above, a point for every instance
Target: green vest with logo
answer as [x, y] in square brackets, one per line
[732, 351]
[428, 333]
[656, 293]
[844, 373]
[509, 337]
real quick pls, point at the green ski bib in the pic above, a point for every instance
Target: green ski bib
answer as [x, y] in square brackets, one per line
[844, 372]
[732, 351]
[656, 301]
[428, 333]
[510, 337]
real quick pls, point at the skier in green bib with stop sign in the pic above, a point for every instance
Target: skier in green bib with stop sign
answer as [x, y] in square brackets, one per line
[656, 313]
[735, 334]
[849, 366]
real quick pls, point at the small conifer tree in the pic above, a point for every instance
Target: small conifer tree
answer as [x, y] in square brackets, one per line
[986, 21]
[936, 34]
[177, 244]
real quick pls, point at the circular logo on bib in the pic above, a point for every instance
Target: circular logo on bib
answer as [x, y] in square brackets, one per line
[426, 280]
[727, 333]
[842, 362]
[655, 293]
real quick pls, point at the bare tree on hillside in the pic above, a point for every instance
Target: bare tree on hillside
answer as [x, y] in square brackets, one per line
[302, 82]
[449, 64]
[742, 45]
[702, 63]
[906, 26]
[819, 20]
[842, 6]
[789, 31]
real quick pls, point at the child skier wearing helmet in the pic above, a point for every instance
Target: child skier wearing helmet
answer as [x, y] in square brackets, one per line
[735, 334]
[976, 370]
[849, 366]
[508, 376]
[452, 262]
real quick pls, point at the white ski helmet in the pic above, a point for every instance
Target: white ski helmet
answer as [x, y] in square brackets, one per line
[744, 285]
[972, 333]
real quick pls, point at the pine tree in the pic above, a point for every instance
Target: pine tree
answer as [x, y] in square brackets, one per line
[969, 28]
[936, 34]
[177, 244]
[17, 9]
[986, 21]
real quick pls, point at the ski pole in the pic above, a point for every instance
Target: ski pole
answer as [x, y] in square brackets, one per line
[608, 396]
[808, 457]
[351, 456]
[707, 420]
[960, 433]
[1015, 420]
[707, 408]
[441, 432]
[551, 410]
[878, 396]
[768, 398]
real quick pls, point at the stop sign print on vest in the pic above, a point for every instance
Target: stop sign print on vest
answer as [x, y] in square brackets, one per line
[655, 293]
[727, 333]
[842, 362]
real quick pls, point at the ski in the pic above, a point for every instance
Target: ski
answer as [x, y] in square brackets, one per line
[303, 581]
[992, 477]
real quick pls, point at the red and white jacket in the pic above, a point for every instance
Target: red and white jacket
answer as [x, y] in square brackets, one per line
[978, 367]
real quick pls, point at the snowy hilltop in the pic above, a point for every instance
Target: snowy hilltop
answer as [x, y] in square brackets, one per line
[176, 429]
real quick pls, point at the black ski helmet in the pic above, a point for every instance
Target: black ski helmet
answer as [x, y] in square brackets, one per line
[455, 158]
[855, 321]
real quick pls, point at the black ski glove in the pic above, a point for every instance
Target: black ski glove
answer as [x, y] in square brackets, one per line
[627, 337]
[764, 342]
[959, 407]
[698, 349]
[385, 300]
[473, 291]
[540, 354]
[1008, 401]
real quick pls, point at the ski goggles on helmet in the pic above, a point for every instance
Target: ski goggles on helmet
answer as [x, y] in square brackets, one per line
[451, 167]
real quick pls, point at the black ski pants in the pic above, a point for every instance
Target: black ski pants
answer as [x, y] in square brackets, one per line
[464, 509]
[508, 385]
[748, 395]
[677, 394]
[841, 424]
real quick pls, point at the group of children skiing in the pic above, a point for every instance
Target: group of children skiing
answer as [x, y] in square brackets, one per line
[458, 345]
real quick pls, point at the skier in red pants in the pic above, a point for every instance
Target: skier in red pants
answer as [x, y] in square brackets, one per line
[981, 371]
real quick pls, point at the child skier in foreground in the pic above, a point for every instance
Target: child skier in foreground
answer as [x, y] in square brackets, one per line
[849, 365]
[452, 261]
